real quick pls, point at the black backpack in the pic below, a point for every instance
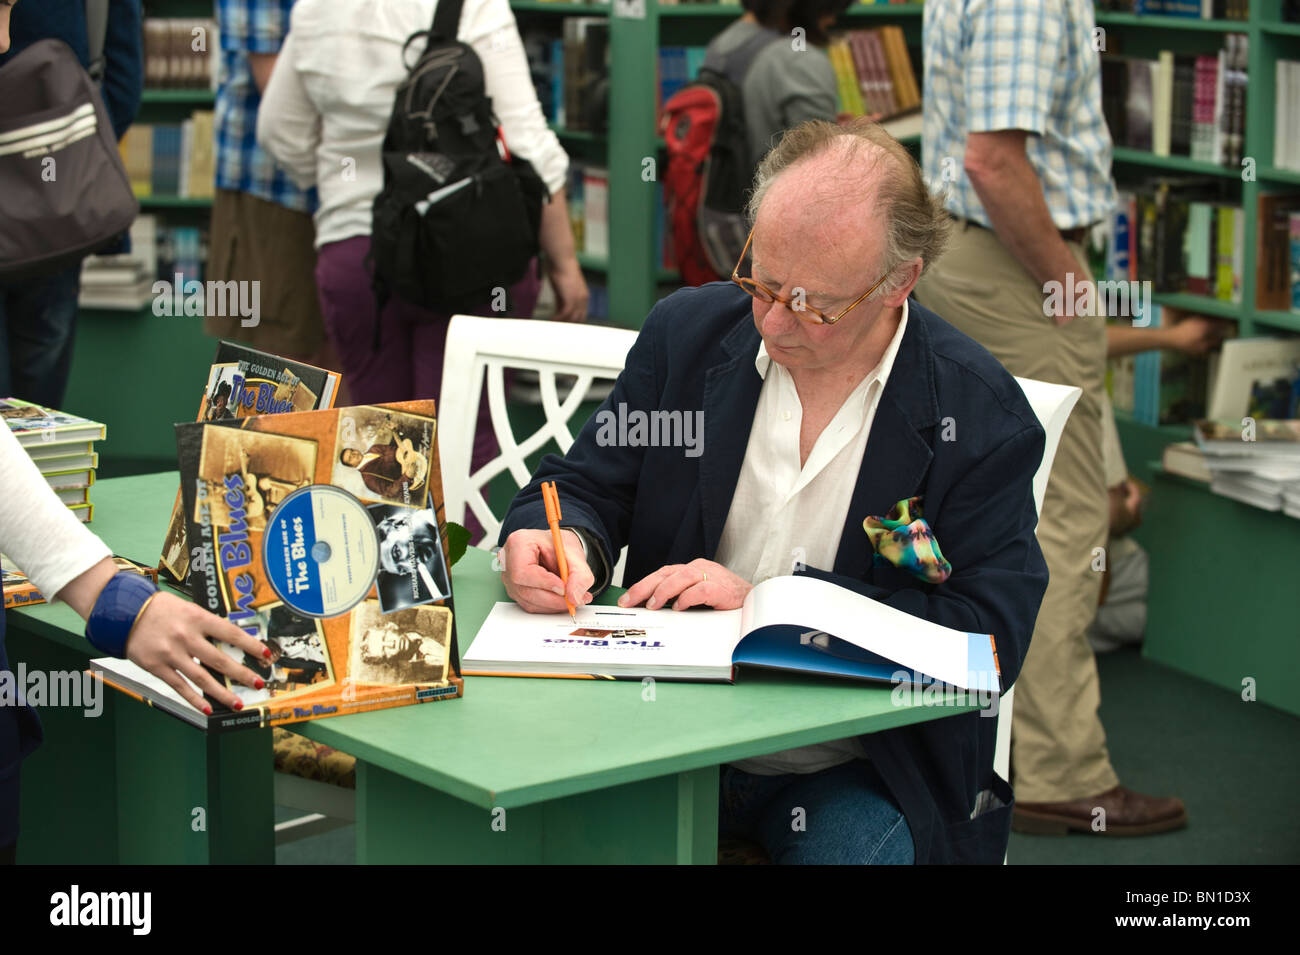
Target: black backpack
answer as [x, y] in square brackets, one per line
[455, 219]
[65, 191]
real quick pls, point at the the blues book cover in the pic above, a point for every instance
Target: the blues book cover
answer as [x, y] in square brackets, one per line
[323, 534]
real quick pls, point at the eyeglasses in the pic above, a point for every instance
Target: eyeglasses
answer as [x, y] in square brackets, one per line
[805, 311]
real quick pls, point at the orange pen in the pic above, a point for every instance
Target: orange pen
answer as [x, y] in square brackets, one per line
[551, 498]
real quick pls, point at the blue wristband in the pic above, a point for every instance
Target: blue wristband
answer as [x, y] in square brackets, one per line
[118, 607]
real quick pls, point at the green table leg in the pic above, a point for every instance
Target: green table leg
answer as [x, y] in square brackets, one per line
[184, 796]
[667, 820]
[68, 801]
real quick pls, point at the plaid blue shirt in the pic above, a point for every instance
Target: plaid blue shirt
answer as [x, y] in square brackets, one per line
[1018, 64]
[250, 26]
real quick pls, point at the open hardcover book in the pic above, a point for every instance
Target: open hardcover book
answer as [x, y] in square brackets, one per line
[321, 534]
[801, 624]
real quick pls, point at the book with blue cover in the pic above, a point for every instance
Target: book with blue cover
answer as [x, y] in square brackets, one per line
[795, 623]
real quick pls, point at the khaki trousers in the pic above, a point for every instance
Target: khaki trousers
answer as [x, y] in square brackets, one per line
[1058, 746]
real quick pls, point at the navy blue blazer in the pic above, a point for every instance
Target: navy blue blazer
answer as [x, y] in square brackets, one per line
[696, 351]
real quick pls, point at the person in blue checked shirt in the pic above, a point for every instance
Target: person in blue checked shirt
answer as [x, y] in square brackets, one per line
[261, 222]
[38, 317]
[1015, 140]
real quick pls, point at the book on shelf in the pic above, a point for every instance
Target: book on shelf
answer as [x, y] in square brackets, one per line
[1274, 287]
[874, 73]
[322, 535]
[176, 255]
[584, 73]
[1181, 235]
[178, 52]
[171, 160]
[1257, 378]
[1295, 261]
[797, 624]
[1176, 104]
[243, 382]
[21, 592]
[595, 211]
[1193, 9]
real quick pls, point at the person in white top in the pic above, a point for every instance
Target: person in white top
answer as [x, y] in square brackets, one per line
[158, 631]
[827, 398]
[324, 116]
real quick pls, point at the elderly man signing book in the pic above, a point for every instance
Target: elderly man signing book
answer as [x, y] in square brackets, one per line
[849, 434]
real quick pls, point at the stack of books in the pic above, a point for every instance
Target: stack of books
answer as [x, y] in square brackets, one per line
[63, 447]
[1257, 464]
[176, 255]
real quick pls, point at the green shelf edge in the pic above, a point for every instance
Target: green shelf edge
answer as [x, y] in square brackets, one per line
[578, 135]
[190, 97]
[1200, 303]
[1274, 174]
[1163, 22]
[173, 202]
[1139, 157]
[1175, 432]
[1287, 321]
[572, 9]
[735, 9]
[1281, 29]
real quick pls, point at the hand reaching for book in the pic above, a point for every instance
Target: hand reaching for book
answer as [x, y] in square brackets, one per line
[532, 575]
[171, 632]
[701, 583]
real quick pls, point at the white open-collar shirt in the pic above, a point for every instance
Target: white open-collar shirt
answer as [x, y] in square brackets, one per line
[784, 513]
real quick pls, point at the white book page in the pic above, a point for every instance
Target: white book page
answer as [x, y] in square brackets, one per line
[815, 604]
[112, 666]
[671, 638]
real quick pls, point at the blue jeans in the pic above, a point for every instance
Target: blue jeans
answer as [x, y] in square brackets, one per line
[841, 816]
[37, 321]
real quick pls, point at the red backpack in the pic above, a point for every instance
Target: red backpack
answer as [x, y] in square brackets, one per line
[709, 173]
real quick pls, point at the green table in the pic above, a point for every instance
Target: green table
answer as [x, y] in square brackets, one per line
[519, 770]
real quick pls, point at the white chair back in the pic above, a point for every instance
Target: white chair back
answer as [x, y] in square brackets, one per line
[480, 349]
[1052, 404]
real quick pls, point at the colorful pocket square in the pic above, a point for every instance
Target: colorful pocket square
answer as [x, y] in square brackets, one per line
[903, 538]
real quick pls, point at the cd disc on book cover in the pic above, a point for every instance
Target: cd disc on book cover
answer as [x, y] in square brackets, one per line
[320, 551]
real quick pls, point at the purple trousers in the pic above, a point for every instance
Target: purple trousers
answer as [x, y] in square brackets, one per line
[407, 365]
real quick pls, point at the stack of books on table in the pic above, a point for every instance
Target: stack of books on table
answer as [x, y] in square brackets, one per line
[63, 447]
[1257, 464]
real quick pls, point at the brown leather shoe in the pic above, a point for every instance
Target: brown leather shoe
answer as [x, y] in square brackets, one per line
[1126, 814]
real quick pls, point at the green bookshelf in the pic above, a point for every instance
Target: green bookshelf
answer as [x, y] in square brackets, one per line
[1270, 39]
[637, 29]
